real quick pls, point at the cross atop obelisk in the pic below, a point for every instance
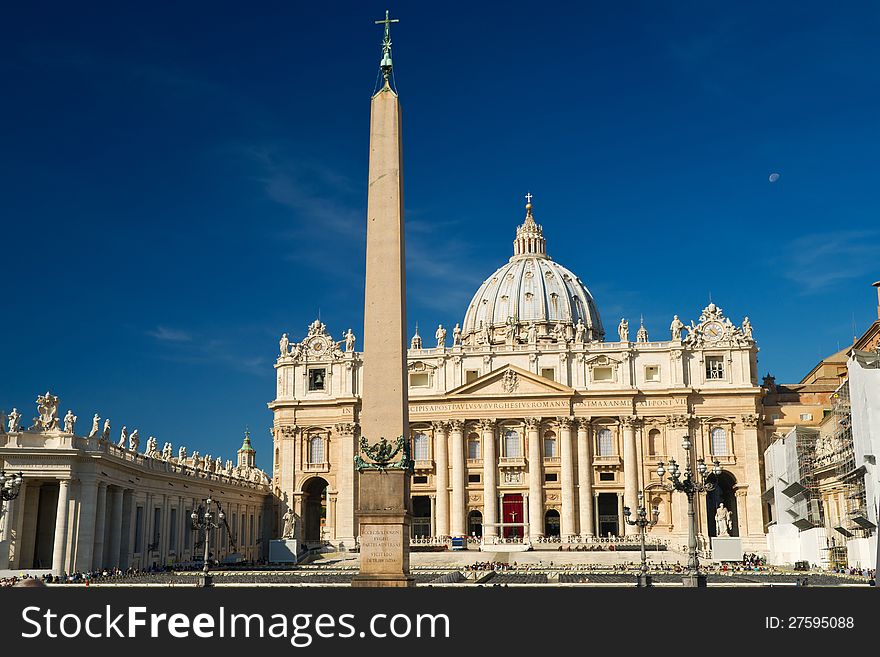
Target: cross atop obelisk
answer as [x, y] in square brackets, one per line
[385, 64]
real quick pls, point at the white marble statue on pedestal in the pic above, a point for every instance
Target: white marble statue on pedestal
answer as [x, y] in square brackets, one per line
[349, 340]
[532, 335]
[676, 327]
[69, 421]
[123, 438]
[291, 525]
[722, 521]
[747, 328]
[580, 331]
[440, 335]
[134, 441]
[167, 452]
[105, 433]
[456, 336]
[284, 345]
[181, 455]
[96, 421]
[623, 330]
[14, 421]
[151, 446]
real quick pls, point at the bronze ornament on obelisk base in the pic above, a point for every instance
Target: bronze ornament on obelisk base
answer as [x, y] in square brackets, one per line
[383, 514]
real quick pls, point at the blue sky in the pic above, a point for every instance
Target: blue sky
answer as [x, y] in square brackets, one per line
[181, 183]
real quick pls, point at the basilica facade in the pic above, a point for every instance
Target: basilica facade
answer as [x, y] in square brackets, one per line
[530, 419]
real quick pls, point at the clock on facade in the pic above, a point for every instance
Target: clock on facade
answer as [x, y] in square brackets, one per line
[713, 331]
[317, 345]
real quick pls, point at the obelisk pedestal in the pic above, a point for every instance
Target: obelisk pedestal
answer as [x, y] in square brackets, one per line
[384, 525]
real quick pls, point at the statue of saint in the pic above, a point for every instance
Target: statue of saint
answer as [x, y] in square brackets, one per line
[676, 327]
[95, 422]
[284, 345]
[349, 341]
[747, 328]
[456, 336]
[2, 421]
[440, 334]
[484, 334]
[105, 433]
[722, 521]
[512, 329]
[69, 421]
[181, 455]
[623, 330]
[123, 438]
[167, 451]
[533, 333]
[580, 331]
[47, 406]
[134, 441]
[14, 421]
[291, 525]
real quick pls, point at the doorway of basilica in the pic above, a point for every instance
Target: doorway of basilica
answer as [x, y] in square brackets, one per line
[609, 517]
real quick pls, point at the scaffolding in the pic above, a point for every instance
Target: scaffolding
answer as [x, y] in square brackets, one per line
[843, 476]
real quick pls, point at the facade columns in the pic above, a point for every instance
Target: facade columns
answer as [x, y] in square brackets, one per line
[441, 479]
[490, 484]
[621, 524]
[85, 537]
[100, 527]
[596, 514]
[536, 478]
[60, 539]
[566, 457]
[585, 479]
[433, 501]
[115, 546]
[345, 522]
[751, 515]
[630, 469]
[459, 494]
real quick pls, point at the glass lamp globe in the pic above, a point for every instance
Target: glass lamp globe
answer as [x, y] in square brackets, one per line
[686, 443]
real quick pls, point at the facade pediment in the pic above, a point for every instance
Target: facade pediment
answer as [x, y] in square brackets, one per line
[509, 380]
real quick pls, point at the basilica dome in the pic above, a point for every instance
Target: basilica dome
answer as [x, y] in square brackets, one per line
[531, 289]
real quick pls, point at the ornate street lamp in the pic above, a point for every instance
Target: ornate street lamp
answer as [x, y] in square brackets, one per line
[207, 523]
[642, 522]
[690, 484]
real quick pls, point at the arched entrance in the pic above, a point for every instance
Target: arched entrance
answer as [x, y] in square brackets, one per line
[421, 516]
[723, 493]
[551, 523]
[314, 508]
[475, 524]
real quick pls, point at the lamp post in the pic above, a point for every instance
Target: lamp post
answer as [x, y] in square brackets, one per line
[642, 522]
[10, 486]
[206, 522]
[690, 484]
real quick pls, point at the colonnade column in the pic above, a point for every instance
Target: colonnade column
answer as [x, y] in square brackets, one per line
[748, 502]
[60, 538]
[630, 469]
[100, 527]
[490, 484]
[85, 539]
[585, 479]
[459, 494]
[536, 478]
[113, 559]
[621, 524]
[566, 457]
[441, 479]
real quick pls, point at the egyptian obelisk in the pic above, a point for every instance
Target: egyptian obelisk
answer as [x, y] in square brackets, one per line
[383, 516]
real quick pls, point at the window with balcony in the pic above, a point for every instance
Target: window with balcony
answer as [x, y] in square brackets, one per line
[550, 445]
[719, 442]
[654, 442]
[420, 447]
[511, 444]
[473, 447]
[605, 443]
